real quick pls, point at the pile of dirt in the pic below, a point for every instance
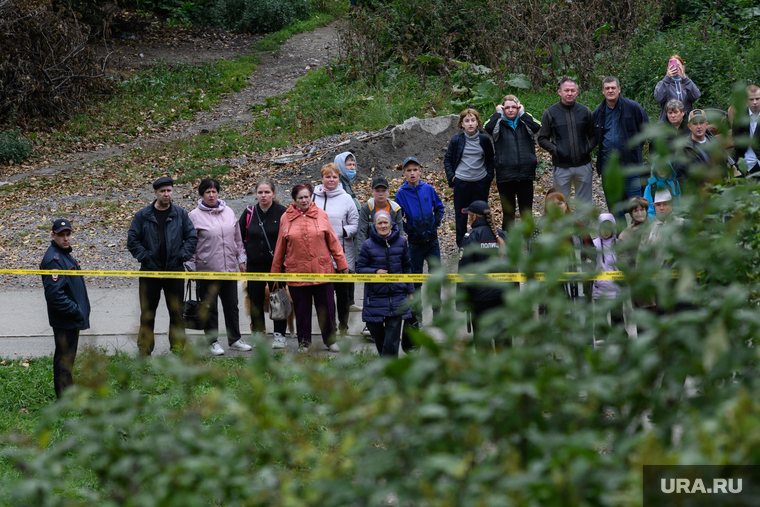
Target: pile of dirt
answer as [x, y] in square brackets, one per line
[382, 152]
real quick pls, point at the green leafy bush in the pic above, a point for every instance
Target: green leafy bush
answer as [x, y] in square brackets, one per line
[715, 60]
[542, 40]
[47, 67]
[552, 420]
[13, 146]
[261, 16]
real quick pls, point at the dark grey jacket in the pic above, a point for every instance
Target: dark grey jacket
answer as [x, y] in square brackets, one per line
[181, 239]
[567, 133]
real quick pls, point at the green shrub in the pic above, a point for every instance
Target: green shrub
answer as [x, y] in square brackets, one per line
[715, 60]
[554, 420]
[542, 40]
[14, 147]
[261, 16]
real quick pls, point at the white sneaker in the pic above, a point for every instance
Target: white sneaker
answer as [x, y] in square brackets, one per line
[334, 348]
[216, 349]
[354, 308]
[240, 346]
[279, 341]
[303, 348]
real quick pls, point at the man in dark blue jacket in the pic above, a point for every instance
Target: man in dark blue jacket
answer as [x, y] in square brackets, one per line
[162, 238]
[67, 304]
[616, 121]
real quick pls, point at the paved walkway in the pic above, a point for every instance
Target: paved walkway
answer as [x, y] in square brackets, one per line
[114, 322]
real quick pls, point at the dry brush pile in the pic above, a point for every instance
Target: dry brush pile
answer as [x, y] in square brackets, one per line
[47, 69]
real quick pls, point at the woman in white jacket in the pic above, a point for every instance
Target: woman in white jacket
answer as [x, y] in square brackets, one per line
[344, 218]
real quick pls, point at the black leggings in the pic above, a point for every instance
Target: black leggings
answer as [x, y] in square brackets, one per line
[521, 190]
[211, 291]
[256, 295]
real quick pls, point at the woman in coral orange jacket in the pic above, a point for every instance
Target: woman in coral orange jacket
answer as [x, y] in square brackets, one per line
[308, 244]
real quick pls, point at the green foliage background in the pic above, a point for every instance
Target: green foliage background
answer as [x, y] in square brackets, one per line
[552, 420]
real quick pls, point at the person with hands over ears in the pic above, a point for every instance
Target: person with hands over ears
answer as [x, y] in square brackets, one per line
[307, 243]
[220, 250]
[515, 159]
[68, 305]
[385, 304]
[469, 167]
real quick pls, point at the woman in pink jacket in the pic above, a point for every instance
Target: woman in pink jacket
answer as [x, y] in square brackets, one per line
[308, 244]
[220, 249]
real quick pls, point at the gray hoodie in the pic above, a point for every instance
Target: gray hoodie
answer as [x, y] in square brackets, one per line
[684, 90]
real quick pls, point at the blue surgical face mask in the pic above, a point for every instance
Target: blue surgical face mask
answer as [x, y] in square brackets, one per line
[350, 174]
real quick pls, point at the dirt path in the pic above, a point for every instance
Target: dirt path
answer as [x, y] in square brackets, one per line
[277, 73]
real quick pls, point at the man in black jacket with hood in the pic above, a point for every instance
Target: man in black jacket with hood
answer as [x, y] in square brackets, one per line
[162, 238]
[67, 304]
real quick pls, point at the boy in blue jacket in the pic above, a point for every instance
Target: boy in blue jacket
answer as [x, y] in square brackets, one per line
[423, 212]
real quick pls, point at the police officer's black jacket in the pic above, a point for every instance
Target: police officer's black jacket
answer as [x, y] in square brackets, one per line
[478, 246]
[67, 302]
[181, 239]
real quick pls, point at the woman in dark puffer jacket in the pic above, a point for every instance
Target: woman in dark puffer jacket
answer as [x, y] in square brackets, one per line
[385, 304]
[515, 159]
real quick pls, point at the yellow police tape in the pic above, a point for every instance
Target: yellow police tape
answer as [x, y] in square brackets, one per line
[318, 277]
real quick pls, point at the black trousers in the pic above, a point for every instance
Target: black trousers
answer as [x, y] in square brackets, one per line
[66, 341]
[150, 295]
[211, 291]
[344, 299]
[521, 190]
[387, 335]
[256, 295]
[481, 343]
[465, 192]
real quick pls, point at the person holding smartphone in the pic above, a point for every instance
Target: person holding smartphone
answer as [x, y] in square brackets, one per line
[676, 85]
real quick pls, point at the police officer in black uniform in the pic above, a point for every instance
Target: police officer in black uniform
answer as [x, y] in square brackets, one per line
[483, 241]
[67, 303]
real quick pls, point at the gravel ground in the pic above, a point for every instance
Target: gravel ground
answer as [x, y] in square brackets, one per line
[101, 217]
[101, 206]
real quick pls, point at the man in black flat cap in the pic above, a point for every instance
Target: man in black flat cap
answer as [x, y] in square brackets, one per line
[67, 304]
[162, 238]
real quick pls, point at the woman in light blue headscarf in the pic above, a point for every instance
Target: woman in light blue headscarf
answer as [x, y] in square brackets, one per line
[346, 163]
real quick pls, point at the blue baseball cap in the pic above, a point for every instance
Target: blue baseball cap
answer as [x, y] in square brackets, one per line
[410, 159]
